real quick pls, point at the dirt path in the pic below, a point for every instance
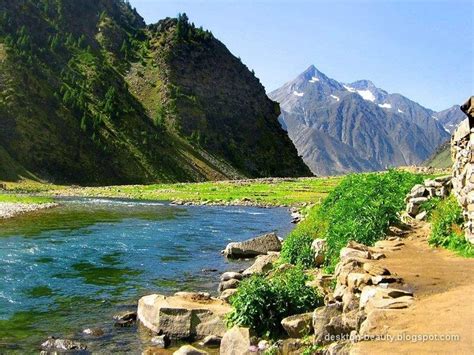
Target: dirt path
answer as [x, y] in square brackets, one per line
[443, 286]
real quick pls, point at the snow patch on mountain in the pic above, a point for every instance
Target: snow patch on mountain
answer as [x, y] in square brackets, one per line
[297, 93]
[348, 88]
[400, 111]
[335, 97]
[314, 79]
[385, 105]
[366, 95]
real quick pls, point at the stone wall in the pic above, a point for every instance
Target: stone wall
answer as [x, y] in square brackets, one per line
[462, 150]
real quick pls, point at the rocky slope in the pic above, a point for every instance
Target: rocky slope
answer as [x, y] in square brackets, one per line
[441, 158]
[450, 118]
[90, 94]
[340, 128]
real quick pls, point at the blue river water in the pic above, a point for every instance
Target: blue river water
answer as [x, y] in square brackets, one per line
[73, 267]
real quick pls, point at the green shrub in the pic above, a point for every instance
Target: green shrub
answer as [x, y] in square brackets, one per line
[446, 228]
[430, 205]
[362, 208]
[261, 303]
[296, 249]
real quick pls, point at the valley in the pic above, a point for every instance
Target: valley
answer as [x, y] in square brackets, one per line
[160, 194]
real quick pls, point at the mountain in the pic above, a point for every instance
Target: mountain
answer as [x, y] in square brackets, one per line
[441, 158]
[450, 118]
[340, 128]
[90, 94]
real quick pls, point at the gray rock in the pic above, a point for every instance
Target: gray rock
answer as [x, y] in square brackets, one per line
[227, 294]
[236, 341]
[127, 316]
[125, 319]
[189, 350]
[357, 246]
[262, 264]
[298, 325]
[253, 247]
[229, 275]
[182, 317]
[62, 344]
[318, 246]
[389, 303]
[321, 318]
[211, 340]
[160, 341]
[225, 285]
[346, 253]
[356, 280]
[418, 191]
[412, 209]
[421, 216]
[375, 270]
[433, 183]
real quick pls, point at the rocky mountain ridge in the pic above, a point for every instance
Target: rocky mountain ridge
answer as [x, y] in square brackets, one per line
[340, 128]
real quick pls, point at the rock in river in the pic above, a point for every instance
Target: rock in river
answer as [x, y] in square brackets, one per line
[189, 350]
[253, 247]
[183, 316]
[62, 344]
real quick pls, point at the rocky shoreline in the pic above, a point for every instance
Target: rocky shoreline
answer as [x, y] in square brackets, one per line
[12, 209]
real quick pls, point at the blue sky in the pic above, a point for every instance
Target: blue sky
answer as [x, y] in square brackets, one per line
[421, 49]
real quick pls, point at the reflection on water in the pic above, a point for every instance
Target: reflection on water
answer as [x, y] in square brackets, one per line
[70, 268]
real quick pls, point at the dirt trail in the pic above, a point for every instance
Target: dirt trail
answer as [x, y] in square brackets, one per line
[443, 286]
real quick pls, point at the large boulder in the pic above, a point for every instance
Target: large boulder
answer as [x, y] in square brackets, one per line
[347, 253]
[298, 325]
[184, 315]
[236, 341]
[374, 297]
[321, 318]
[253, 247]
[262, 264]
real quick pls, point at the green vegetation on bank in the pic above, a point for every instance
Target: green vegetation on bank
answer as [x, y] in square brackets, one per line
[24, 199]
[360, 208]
[271, 192]
[447, 228]
[262, 302]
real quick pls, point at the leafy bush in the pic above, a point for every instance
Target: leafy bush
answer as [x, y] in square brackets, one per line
[430, 205]
[296, 249]
[362, 208]
[261, 303]
[447, 231]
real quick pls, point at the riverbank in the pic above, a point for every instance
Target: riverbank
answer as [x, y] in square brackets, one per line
[14, 205]
[268, 192]
[11, 209]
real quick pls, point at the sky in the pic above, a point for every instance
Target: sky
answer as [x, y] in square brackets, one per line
[421, 49]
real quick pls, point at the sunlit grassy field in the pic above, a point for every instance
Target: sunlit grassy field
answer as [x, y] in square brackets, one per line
[272, 192]
[13, 198]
